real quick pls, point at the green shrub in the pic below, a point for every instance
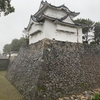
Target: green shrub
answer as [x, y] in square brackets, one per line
[85, 42]
[96, 96]
[93, 42]
[41, 88]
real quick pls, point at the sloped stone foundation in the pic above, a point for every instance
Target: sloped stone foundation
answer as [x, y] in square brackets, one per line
[51, 69]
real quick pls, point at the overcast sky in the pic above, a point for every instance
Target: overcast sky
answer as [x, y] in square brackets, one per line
[11, 26]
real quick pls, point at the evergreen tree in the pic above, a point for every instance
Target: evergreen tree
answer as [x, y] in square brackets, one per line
[5, 7]
[15, 45]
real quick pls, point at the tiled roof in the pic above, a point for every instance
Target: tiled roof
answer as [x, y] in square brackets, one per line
[55, 20]
[39, 16]
[62, 7]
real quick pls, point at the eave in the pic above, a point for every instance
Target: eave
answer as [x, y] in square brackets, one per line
[46, 17]
[74, 14]
[67, 24]
[35, 32]
[56, 20]
[31, 22]
[68, 15]
[43, 17]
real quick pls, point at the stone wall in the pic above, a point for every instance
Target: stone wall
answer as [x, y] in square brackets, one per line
[51, 69]
[4, 64]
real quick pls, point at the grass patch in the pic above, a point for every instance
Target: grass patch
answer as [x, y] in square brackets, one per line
[82, 85]
[8, 91]
[41, 88]
[96, 96]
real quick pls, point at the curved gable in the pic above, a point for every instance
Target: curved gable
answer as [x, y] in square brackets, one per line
[68, 20]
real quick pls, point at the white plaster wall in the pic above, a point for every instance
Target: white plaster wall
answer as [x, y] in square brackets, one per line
[65, 36]
[55, 13]
[59, 32]
[34, 28]
[37, 37]
[49, 29]
[68, 37]
[72, 17]
[68, 20]
[66, 28]
[80, 35]
[58, 14]
[14, 54]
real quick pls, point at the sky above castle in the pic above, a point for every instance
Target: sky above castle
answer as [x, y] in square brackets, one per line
[11, 26]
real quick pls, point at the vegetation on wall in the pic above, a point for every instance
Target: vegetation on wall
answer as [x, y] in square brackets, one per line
[96, 96]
